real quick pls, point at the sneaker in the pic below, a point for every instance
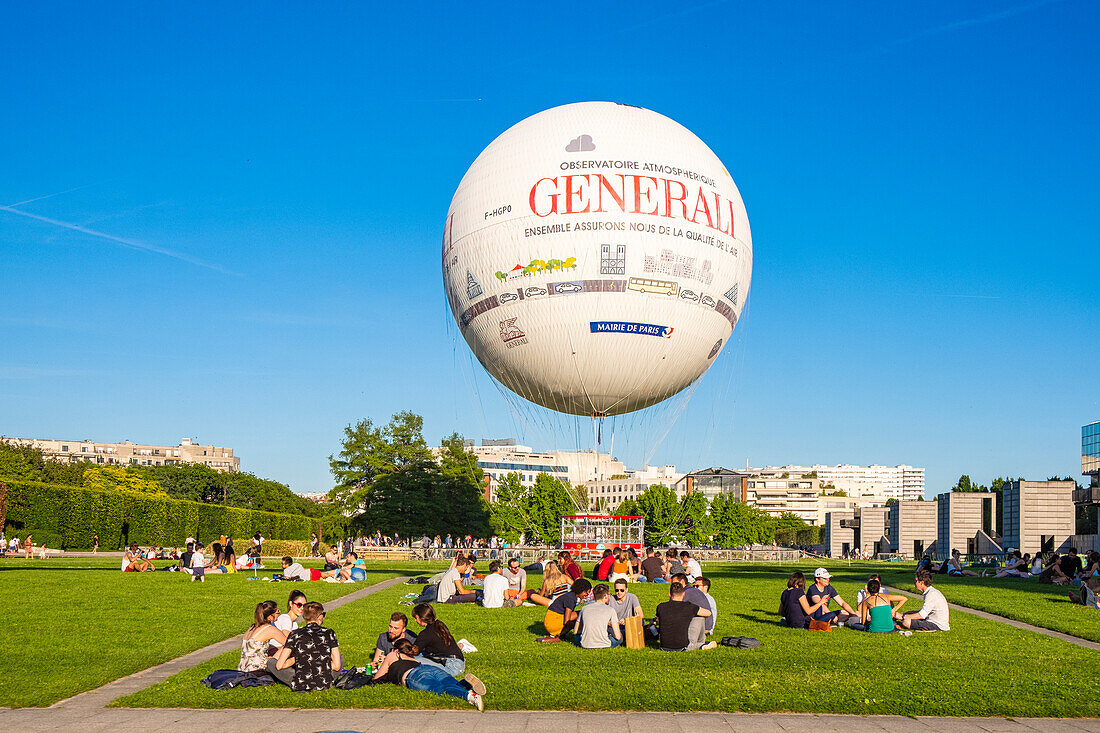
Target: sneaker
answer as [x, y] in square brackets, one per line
[905, 632]
[475, 699]
[709, 645]
[529, 604]
[475, 684]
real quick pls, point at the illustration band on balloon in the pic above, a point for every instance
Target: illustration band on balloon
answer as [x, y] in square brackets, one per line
[649, 231]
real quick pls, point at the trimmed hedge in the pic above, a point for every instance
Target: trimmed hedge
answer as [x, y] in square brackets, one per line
[69, 515]
[790, 536]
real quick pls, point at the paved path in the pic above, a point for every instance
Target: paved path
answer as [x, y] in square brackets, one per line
[1018, 624]
[98, 698]
[470, 721]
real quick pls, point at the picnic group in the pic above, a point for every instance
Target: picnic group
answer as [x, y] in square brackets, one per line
[1053, 569]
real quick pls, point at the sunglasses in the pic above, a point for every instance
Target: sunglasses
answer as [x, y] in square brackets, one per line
[299, 605]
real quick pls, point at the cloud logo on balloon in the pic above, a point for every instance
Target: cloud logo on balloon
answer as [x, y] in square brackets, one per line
[580, 144]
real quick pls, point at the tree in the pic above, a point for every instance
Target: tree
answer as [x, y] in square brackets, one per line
[695, 525]
[507, 512]
[659, 507]
[369, 453]
[463, 490]
[736, 523]
[534, 511]
[891, 501]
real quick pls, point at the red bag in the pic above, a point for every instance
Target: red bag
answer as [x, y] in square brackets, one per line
[314, 574]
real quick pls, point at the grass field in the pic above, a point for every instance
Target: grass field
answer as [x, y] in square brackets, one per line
[74, 624]
[980, 667]
[1021, 600]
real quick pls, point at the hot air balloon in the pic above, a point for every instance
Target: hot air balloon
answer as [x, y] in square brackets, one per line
[596, 257]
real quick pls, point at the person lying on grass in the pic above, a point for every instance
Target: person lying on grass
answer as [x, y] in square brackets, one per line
[955, 566]
[1088, 596]
[436, 643]
[561, 615]
[293, 570]
[820, 594]
[400, 667]
[933, 615]
[260, 634]
[310, 657]
[398, 629]
[1016, 567]
[680, 623]
[288, 621]
[597, 624]
[554, 584]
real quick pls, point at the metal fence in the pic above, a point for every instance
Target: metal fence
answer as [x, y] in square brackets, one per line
[529, 555]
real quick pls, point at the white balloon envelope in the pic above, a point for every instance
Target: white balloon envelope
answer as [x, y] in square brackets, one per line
[596, 257]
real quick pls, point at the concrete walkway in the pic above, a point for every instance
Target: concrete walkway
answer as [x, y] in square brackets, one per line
[470, 721]
[96, 699]
[1018, 624]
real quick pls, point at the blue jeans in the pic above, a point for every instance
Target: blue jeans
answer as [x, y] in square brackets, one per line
[433, 679]
[452, 666]
[642, 579]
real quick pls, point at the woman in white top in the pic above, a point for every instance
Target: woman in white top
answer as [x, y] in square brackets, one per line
[260, 633]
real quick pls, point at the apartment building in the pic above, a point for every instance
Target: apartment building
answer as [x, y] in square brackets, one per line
[609, 493]
[127, 453]
[901, 482]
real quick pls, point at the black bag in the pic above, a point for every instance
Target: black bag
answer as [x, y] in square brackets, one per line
[351, 679]
[740, 642]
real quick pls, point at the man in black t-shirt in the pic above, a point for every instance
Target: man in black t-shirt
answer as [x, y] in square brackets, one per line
[185, 559]
[1070, 563]
[653, 567]
[675, 619]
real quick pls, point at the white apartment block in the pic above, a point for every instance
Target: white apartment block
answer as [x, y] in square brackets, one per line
[609, 493]
[905, 483]
[498, 458]
[136, 454]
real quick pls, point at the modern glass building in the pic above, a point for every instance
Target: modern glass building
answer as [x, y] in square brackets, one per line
[1090, 452]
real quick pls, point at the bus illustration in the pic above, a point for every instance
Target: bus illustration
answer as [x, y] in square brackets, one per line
[652, 285]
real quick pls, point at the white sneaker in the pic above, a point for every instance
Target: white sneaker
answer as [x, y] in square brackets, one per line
[710, 645]
[475, 699]
[905, 632]
[476, 685]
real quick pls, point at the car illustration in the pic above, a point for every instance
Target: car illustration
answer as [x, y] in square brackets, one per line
[707, 301]
[532, 292]
[567, 288]
[507, 297]
[689, 295]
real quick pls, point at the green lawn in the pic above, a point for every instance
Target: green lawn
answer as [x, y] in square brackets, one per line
[1019, 599]
[980, 667]
[77, 623]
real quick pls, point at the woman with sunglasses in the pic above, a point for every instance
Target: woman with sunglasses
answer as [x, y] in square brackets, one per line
[260, 634]
[288, 621]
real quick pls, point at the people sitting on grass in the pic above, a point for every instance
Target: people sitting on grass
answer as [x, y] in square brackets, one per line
[288, 621]
[293, 570]
[133, 562]
[400, 667]
[696, 596]
[554, 584]
[495, 588]
[1017, 566]
[198, 564]
[597, 623]
[925, 563]
[561, 615]
[1071, 564]
[310, 657]
[635, 566]
[1092, 566]
[819, 596]
[691, 565]
[794, 607]
[398, 629]
[603, 567]
[653, 567]
[933, 615]
[877, 609]
[436, 643]
[681, 624]
[351, 570]
[257, 640]
[621, 567]
[332, 560]
[673, 566]
[517, 582]
[451, 589]
[623, 603]
[569, 566]
[861, 594]
[955, 566]
[702, 583]
[1088, 596]
[1051, 572]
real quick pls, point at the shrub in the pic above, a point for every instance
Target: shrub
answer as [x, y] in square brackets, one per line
[70, 515]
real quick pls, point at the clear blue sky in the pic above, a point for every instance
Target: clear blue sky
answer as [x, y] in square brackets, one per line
[268, 183]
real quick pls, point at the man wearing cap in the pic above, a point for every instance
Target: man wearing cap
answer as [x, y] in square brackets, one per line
[820, 593]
